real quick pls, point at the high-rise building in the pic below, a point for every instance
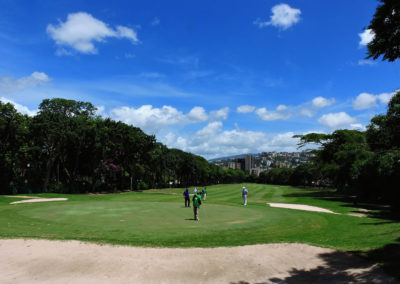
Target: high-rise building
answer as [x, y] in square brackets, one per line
[249, 162]
[241, 164]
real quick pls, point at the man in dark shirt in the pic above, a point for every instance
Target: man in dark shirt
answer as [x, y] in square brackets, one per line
[186, 195]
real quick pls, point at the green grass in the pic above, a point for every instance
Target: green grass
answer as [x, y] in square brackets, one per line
[159, 218]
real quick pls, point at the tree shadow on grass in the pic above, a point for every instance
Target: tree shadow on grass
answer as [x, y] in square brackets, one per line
[387, 256]
[338, 267]
[370, 210]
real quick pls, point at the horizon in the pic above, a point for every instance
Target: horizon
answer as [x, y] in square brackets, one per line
[214, 79]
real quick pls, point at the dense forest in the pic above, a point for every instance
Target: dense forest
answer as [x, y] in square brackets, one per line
[66, 148]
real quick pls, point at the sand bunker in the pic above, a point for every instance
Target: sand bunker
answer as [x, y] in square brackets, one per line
[22, 196]
[39, 200]
[42, 261]
[300, 207]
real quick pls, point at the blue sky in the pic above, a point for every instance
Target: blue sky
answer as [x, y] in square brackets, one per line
[213, 78]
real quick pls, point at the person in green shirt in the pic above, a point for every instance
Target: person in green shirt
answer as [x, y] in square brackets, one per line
[204, 193]
[196, 205]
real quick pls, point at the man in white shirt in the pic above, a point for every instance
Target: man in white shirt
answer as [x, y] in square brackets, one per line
[244, 195]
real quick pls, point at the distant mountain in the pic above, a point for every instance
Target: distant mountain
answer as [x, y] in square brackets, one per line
[231, 157]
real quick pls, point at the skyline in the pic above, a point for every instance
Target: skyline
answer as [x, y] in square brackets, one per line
[213, 79]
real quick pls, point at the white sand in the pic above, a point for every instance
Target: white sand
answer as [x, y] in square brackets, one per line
[39, 200]
[300, 207]
[42, 261]
[22, 196]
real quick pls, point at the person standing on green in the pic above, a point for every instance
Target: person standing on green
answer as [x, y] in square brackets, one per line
[204, 193]
[244, 195]
[186, 195]
[196, 205]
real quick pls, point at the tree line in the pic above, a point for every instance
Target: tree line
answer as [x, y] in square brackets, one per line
[66, 148]
[366, 163]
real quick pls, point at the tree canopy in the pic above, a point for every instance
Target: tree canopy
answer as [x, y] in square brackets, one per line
[67, 148]
[363, 162]
[386, 28]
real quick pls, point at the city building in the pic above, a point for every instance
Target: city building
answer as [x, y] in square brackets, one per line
[249, 162]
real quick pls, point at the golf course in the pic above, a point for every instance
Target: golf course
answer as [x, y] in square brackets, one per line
[158, 218]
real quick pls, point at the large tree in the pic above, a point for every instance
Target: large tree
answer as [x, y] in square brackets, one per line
[56, 121]
[386, 27]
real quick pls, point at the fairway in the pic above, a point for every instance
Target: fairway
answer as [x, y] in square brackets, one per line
[159, 218]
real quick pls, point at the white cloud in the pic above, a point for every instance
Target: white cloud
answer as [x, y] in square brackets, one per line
[268, 115]
[357, 126]
[211, 129]
[309, 109]
[20, 108]
[10, 85]
[336, 120]
[366, 37]
[283, 16]
[101, 111]
[149, 119]
[306, 112]
[364, 101]
[220, 114]
[213, 141]
[283, 141]
[152, 120]
[320, 102]
[81, 30]
[384, 98]
[197, 114]
[245, 109]
[124, 32]
[281, 108]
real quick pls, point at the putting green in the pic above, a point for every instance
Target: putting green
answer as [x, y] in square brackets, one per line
[146, 217]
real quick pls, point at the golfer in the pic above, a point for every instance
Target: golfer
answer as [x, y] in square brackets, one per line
[204, 193]
[186, 195]
[196, 205]
[244, 195]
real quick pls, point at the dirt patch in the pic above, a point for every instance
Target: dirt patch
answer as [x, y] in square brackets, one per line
[39, 200]
[300, 207]
[42, 261]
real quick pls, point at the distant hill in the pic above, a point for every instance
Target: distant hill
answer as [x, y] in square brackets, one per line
[231, 157]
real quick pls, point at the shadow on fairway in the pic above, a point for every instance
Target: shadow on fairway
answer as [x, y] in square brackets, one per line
[372, 210]
[388, 256]
[342, 267]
